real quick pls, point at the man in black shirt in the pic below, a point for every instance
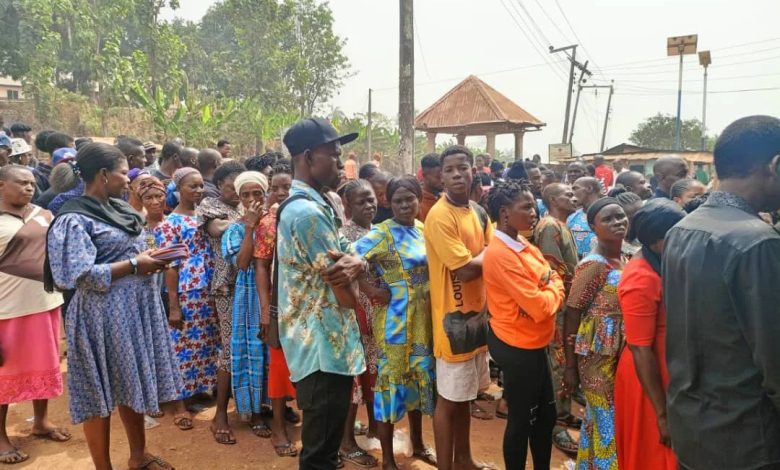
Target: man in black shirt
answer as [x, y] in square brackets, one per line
[668, 170]
[720, 270]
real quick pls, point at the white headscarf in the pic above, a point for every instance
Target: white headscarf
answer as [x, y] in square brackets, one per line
[250, 177]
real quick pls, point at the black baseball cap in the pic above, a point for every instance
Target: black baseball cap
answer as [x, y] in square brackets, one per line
[308, 134]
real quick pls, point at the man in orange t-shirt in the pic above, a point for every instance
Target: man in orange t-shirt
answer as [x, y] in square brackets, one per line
[456, 232]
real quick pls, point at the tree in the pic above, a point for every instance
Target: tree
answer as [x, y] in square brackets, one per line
[657, 132]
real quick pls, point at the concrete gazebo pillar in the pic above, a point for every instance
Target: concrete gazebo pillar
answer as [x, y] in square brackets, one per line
[461, 138]
[519, 145]
[431, 145]
[491, 143]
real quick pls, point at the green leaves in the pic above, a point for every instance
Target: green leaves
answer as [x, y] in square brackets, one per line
[657, 132]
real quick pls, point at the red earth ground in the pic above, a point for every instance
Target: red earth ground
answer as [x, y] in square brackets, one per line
[197, 450]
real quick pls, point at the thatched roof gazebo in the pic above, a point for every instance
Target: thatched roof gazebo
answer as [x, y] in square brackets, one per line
[475, 108]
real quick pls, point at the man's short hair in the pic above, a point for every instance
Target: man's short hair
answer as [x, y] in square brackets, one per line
[456, 150]
[222, 143]
[745, 145]
[20, 128]
[430, 161]
[170, 149]
[530, 165]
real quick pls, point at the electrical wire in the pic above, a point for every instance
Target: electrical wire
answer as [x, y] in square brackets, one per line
[419, 44]
[579, 41]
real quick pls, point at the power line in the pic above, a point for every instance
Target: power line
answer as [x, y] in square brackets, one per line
[661, 92]
[667, 63]
[419, 44]
[554, 23]
[699, 79]
[579, 41]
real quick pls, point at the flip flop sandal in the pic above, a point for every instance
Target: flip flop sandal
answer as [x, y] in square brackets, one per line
[339, 463]
[13, 456]
[360, 429]
[184, 423]
[286, 450]
[159, 414]
[359, 457]
[485, 397]
[261, 430]
[486, 466]
[52, 435]
[564, 442]
[154, 460]
[223, 436]
[291, 416]
[428, 456]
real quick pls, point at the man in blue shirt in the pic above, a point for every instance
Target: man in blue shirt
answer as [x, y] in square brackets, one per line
[317, 270]
[587, 190]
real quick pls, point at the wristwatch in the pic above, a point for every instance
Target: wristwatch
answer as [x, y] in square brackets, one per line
[134, 265]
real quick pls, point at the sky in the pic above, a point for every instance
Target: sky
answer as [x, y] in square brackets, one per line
[505, 42]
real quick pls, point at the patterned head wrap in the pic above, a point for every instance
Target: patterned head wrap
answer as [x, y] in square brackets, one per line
[150, 184]
[182, 173]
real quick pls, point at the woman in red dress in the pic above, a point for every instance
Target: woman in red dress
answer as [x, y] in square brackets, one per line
[642, 434]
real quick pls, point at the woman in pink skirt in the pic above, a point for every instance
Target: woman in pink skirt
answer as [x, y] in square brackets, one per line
[29, 316]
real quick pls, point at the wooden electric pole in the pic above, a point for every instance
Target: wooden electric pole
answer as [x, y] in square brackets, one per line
[570, 87]
[368, 128]
[406, 86]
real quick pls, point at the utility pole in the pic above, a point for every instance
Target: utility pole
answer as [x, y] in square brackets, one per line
[606, 118]
[680, 45]
[570, 87]
[577, 103]
[705, 59]
[406, 86]
[368, 127]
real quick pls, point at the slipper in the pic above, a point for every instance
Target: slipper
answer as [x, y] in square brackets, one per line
[223, 436]
[359, 457]
[291, 416]
[486, 466]
[154, 460]
[564, 442]
[183, 422]
[159, 414]
[485, 397]
[427, 455]
[339, 463]
[56, 435]
[260, 430]
[479, 413]
[13, 456]
[286, 450]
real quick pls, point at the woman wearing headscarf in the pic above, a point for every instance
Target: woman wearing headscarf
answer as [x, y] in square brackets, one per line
[642, 377]
[249, 354]
[119, 351]
[195, 331]
[151, 193]
[215, 214]
[595, 322]
[136, 176]
[523, 295]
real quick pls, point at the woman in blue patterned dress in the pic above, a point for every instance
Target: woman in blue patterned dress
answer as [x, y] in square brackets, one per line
[249, 354]
[402, 329]
[195, 328]
[119, 351]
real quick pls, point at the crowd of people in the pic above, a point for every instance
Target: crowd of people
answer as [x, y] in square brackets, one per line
[334, 285]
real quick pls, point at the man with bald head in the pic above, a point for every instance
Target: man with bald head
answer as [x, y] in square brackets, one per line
[587, 190]
[668, 170]
[575, 171]
[556, 242]
[208, 161]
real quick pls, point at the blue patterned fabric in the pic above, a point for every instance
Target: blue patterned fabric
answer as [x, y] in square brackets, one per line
[316, 333]
[402, 329]
[119, 351]
[249, 362]
[584, 237]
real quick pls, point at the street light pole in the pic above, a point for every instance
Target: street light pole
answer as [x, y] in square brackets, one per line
[680, 45]
[705, 59]
[678, 124]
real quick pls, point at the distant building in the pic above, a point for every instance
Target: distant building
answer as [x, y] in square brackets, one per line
[10, 89]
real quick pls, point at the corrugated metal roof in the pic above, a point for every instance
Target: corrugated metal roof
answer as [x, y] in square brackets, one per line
[473, 103]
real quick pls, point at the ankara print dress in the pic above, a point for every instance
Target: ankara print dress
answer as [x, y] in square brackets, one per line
[598, 346]
[197, 343]
[402, 330]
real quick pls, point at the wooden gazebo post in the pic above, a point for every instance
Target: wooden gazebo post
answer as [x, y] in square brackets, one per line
[519, 145]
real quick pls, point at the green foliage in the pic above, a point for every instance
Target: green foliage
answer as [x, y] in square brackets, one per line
[658, 132]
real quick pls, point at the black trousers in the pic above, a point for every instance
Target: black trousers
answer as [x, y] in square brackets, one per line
[528, 390]
[324, 399]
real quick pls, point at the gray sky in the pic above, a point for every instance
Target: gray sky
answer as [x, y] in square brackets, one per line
[624, 41]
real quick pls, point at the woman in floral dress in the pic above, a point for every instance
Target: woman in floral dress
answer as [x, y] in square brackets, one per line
[249, 363]
[402, 329]
[119, 351]
[360, 206]
[195, 328]
[594, 317]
